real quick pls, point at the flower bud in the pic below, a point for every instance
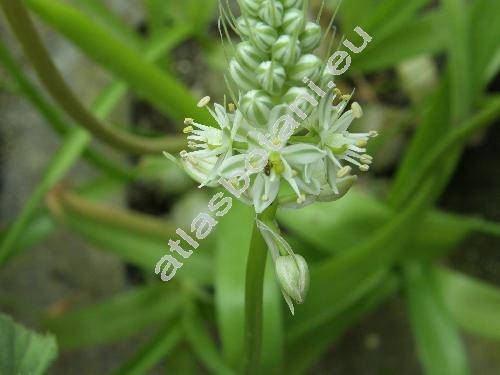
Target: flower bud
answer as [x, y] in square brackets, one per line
[286, 50]
[264, 36]
[294, 93]
[293, 21]
[310, 37]
[245, 24]
[293, 275]
[249, 56]
[250, 7]
[256, 105]
[271, 76]
[243, 78]
[307, 66]
[271, 12]
[293, 3]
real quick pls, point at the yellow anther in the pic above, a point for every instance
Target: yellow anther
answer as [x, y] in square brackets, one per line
[361, 143]
[301, 199]
[294, 173]
[231, 107]
[364, 168]
[187, 130]
[188, 121]
[344, 171]
[346, 98]
[204, 101]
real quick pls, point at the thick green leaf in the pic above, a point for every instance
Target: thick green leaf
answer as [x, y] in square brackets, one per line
[136, 238]
[304, 352]
[126, 63]
[64, 158]
[438, 342]
[23, 351]
[200, 341]
[460, 58]
[473, 304]
[153, 352]
[338, 226]
[117, 317]
[106, 17]
[423, 35]
[351, 274]
[233, 240]
[485, 30]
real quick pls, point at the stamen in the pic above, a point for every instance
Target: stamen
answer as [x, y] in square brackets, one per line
[204, 101]
[187, 130]
[301, 199]
[231, 107]
[364, 168]
[373, 133]
[183, 154]
[294, 173]
[188, 121]
[346, 98]
[366, 159]
[344, 171]
[361, 143]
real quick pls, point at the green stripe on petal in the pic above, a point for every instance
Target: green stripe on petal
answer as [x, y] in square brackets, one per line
[249, 56]
[307, 66]
[286, 50]
[243, 78]
[310, 37]
[271, 76]
[256, 105]
[264, 36]
[271, 12]
[293, 21]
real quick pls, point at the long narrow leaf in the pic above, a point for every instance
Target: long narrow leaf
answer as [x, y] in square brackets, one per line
[161, 89]
[153, 352]
[474, 305]
[116, 318]
[439, 344]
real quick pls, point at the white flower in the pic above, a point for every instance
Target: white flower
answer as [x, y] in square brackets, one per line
[281, 160]
[210, 145]
[339, 144]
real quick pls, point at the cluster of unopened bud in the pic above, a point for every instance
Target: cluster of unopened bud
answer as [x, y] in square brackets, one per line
[275, 54]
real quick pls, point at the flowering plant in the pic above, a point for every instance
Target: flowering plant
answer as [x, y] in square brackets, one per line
[276, 144]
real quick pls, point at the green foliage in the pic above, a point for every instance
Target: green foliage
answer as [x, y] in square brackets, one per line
[24, 351]
[362, 249]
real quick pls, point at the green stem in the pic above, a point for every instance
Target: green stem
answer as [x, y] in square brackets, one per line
[256, 264]
[54, 117]
[34, 49]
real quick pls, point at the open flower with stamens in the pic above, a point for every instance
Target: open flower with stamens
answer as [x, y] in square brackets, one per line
[279, 160]
[340, 145]
[210, 145]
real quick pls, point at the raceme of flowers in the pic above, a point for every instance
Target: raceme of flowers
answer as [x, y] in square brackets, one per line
[277, 143]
